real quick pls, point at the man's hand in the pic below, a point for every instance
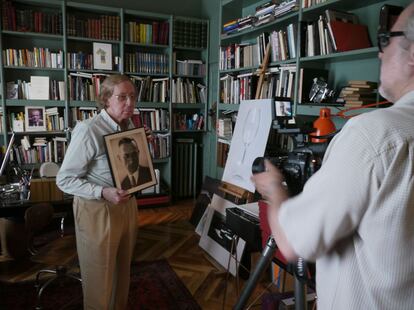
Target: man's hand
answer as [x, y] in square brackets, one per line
[270, 184]
[114, 195]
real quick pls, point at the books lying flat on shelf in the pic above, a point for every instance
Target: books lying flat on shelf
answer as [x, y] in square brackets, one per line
[358, 93]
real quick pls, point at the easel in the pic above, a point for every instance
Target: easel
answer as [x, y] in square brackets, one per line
[262, 71]
[239, 194]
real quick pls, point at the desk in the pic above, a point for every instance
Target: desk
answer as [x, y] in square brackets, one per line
[13, 234]
[17, 208]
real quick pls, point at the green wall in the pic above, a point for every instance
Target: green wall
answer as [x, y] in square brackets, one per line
[210, 10]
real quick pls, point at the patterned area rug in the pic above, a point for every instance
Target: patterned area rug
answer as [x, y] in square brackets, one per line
[154, 285]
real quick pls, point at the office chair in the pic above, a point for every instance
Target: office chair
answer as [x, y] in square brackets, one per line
[36, 218]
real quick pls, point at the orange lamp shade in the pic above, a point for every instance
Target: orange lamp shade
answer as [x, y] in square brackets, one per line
[323, 125]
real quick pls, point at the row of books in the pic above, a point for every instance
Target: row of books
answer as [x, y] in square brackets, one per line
[233, 89]
[159, 146]
[42, 150]
[147, 33]
[188, 91]
[84, 61]
[54, 120]
[235, 56]
[38, 58]
[283, 43]
[190, 33]
[81, 114]
[151, 89]
[278, 81]
[85, 86]
[224, 127]
[79, 61]
[30, 20]
[39, 87]
[155, 119]
[188, 121]
[264, 13]
[141, 62]
[244, 55]
[190, 67]
[104, 27]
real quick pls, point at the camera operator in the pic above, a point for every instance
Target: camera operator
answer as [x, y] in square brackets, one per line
[355, 215]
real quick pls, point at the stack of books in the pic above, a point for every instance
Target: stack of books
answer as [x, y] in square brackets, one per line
[225, 128]
[264, 13]
[246, 22]
[285, 7]
[231, 26]
[359, 93]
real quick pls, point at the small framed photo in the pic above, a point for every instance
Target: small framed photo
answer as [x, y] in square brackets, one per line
[35, 118]
[283, 107]
[102, 56]
[130, 160]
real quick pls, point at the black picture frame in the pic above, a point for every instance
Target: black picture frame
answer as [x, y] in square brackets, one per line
[142, 164]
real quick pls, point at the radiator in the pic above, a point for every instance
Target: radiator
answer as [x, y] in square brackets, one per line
[185, 168]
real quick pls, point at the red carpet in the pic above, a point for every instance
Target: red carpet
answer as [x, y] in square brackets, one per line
[154, 285]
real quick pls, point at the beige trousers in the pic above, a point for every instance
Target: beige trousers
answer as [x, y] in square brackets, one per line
[105, 239]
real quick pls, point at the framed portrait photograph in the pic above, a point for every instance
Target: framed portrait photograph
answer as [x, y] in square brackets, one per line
[130, 160]
[102, 56]
[35, 118]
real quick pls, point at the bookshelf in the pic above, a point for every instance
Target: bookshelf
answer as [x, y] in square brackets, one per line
[137, 43]
[341, 67]
[189, 97]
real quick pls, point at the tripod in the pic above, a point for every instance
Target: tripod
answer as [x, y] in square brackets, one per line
[267, 253]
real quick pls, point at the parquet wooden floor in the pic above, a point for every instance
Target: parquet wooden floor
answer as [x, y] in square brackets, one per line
[165, 233]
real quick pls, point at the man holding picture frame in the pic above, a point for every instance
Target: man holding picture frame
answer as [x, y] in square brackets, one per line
[105, 216]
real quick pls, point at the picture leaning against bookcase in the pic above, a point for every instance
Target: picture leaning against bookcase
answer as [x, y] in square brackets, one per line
[334, 40]
[55, 55]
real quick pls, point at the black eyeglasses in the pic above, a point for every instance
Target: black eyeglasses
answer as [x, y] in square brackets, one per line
[384, 37]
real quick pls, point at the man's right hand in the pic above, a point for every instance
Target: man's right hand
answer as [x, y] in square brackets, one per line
[115, 195]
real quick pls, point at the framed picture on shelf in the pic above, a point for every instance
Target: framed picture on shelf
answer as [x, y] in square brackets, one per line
[283, 107]
[35, 118]
[130, 160]
[102, 56]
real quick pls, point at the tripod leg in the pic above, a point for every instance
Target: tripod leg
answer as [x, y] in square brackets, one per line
[300, 286]
[254, 277]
